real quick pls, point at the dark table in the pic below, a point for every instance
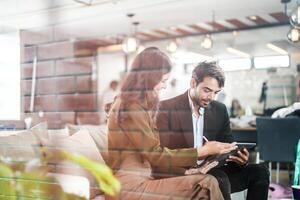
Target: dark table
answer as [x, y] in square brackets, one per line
[247, 134]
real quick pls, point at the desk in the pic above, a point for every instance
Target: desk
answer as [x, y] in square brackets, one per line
[247, 134]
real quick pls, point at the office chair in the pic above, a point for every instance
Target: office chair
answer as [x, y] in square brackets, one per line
[277, 139]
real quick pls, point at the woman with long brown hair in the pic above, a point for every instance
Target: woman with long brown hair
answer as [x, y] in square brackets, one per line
[134, 145]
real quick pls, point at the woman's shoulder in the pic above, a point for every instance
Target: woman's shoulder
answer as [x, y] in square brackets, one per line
[133, 109]
[136, 106]
[117, 104]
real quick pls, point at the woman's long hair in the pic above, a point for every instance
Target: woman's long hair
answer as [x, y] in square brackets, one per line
[146, 72]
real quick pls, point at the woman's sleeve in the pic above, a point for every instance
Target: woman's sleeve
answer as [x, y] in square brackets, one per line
[146, 140]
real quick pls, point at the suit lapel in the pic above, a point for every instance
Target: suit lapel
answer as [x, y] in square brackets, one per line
[184, 114]
[207, 122]
[206, 116]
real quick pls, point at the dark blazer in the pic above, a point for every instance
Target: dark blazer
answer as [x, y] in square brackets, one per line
[174, 121]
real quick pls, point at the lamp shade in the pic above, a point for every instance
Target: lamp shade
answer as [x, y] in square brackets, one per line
[130, 44]
[207, 42]
[293, 35]
[172, 46]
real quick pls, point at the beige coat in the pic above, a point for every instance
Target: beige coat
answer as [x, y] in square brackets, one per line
[135, 153]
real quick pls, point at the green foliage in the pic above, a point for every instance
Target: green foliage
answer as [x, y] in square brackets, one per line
[18, 183]
[297, 165]
[7, 187]
[103, 174]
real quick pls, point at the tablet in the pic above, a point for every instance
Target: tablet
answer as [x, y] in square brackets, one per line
[247, 145]
[221, 158]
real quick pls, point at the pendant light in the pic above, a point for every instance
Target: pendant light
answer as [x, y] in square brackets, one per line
[130, 43]
[207, 42]
[172, 46]
[294, 35]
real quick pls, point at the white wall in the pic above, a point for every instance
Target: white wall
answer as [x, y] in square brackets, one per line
[110, 67]
[10, 102]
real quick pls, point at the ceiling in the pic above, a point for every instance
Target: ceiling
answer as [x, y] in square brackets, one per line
[159, 19]
[253, 42]
[109, 17]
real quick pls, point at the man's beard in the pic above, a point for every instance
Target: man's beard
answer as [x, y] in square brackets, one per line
[207, 102]
[200, 101]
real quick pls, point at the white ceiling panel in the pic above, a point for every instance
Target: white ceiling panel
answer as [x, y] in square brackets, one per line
[108, 18]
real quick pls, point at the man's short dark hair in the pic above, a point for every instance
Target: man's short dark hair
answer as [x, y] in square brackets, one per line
[209, 69]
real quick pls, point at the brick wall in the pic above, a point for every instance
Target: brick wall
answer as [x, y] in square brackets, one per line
[65, 90]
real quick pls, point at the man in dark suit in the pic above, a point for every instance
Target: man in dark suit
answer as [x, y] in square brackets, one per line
[194, 119]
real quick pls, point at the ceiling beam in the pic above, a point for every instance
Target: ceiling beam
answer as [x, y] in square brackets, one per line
[217, 26]
[258, 20]
[199, 28]
[280, 16]
[237, 23]
[225, 31]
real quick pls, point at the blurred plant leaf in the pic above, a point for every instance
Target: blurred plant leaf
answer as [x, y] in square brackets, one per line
[30, 180]
[37, 185]
[103, 174]
[7, 186]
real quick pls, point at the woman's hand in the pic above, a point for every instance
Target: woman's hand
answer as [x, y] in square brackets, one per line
[203, 169]
[214, 147]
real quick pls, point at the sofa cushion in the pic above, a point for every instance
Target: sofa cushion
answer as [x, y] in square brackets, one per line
[44, 135]
[87, 140]
[98, 133]
[82, 143]
[57, 134]
[40, 131]
[19, 146]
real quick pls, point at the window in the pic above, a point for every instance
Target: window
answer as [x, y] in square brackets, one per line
[10, 101]
[188, 59]
[271, 62]
[235, 64]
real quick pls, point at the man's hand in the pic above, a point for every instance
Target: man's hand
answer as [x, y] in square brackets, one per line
[242, 157]
[214, 147]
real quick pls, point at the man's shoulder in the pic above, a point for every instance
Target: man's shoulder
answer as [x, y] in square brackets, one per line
[167, 102]
[175, 102]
